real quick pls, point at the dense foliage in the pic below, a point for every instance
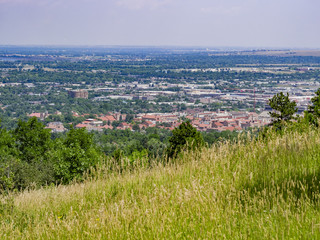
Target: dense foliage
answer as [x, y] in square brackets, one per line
[29, 157]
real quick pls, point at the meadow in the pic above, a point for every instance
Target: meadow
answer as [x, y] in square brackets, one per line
[248, 189]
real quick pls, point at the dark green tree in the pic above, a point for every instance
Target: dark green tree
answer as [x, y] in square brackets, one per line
[33, 146]
[313, 113]
[75, 155]
[284, 109]
[184, 137]
[115, 124]
[7, 160]
[32, 140]
[136, 127]
[129, 118]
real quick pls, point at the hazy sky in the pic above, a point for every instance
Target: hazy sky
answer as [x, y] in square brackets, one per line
[246, 23]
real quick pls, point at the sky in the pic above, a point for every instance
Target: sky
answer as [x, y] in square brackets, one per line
[203, 23]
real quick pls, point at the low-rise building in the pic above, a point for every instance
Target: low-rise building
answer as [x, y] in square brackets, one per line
[56, 127]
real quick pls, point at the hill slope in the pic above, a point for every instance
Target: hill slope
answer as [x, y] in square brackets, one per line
[253, 189]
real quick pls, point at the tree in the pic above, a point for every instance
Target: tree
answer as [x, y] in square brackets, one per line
[136, 127]
[115, 124]
[129, 118]
[155, 147]
[32, 140]
[74, 155]
[32, 165]
[7, 160]
[184, 137]
[284, 108]
[313, 113]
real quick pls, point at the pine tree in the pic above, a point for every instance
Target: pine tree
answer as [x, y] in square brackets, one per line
[284, 109]
[184, 137]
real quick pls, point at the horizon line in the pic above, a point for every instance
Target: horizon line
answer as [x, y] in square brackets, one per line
[230, 48]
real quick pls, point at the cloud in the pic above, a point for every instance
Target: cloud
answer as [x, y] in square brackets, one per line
[140, 4]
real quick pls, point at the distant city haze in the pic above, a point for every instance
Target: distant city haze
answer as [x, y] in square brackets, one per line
[204, 23]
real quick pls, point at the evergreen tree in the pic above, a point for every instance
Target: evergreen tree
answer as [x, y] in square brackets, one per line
[184, 137]
[284, 109]
[313, 113]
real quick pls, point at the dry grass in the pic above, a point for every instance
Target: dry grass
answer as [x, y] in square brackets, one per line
[252, 189]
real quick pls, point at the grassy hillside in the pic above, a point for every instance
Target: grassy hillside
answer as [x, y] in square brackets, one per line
[253, 189]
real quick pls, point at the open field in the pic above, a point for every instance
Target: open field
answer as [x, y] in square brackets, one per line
[266, 189]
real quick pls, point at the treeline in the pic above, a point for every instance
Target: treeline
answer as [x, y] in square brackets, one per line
[153, 141]
[31, 156]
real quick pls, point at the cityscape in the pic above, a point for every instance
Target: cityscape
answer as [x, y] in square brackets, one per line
[233, 96]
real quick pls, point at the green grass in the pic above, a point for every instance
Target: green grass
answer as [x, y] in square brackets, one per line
[245, 190]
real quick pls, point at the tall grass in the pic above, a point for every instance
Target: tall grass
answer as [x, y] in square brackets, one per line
[256, 189]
